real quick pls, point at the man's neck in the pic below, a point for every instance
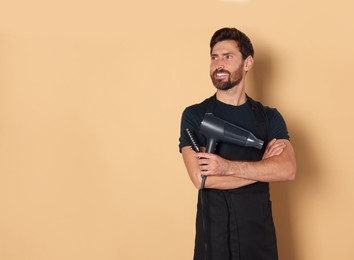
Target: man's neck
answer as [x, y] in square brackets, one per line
[232, 96]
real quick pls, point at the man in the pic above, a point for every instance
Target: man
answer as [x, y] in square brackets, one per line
[234, 218]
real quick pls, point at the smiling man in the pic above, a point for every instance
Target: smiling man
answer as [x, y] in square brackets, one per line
[234, 217]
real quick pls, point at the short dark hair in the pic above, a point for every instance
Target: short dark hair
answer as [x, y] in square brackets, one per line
[243, 42]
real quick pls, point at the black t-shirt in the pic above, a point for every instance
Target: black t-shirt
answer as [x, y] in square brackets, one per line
[242, 116]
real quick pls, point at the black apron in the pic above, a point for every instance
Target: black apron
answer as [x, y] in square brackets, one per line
[238, 222]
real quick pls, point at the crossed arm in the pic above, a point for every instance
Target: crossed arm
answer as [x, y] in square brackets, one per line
[278, 164]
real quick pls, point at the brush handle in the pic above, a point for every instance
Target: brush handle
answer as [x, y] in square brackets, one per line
[195, 148]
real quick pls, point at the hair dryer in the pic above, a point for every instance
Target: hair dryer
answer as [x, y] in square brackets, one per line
[217, 130]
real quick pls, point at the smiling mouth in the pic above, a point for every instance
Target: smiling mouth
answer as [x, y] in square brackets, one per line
[221, 74]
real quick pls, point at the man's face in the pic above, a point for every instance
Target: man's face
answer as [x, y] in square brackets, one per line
[227, 65]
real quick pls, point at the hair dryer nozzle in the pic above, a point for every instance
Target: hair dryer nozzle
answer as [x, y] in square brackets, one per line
[254, 142]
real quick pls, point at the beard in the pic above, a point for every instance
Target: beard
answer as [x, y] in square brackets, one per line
[231, 81]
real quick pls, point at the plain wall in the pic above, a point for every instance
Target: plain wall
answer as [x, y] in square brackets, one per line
[91, 95]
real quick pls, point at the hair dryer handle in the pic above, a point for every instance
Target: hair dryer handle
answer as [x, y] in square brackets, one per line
[211, 145]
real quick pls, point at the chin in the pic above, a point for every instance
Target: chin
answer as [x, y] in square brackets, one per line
[225, 86]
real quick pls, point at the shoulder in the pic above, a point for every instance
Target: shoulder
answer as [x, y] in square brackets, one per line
[275, 121]
[270, 112]
[197, 110]
[191, 118]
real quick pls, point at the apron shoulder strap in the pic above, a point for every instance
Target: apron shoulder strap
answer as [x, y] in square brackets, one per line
[259, 112]
[211, 104]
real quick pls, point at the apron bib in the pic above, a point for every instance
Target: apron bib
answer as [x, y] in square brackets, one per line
[238, 222]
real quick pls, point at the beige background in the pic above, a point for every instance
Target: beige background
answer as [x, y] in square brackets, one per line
[91, 94]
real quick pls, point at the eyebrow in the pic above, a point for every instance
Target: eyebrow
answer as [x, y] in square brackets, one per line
[223, 54]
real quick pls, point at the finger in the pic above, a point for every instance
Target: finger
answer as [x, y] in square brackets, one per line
[270, 144]
[278, 147]
[202, 155]
[273, 152]
[203, 161]
[275, 145]
[206, 173]
[204, 169]
[277, 151]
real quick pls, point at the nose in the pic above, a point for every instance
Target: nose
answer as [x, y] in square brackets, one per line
[220, 67]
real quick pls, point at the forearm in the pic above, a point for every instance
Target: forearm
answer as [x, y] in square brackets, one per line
[280, 167]
[212, 182]
[275, 166]
[267, 170]
[226, 182]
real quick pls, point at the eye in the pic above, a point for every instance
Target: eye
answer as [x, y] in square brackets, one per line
[229, 56]
[213, 58]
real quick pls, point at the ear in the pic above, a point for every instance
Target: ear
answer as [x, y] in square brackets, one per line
[248, 63]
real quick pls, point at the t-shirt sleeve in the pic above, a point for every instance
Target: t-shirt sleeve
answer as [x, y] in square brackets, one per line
[277, 126]
[191, 120]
